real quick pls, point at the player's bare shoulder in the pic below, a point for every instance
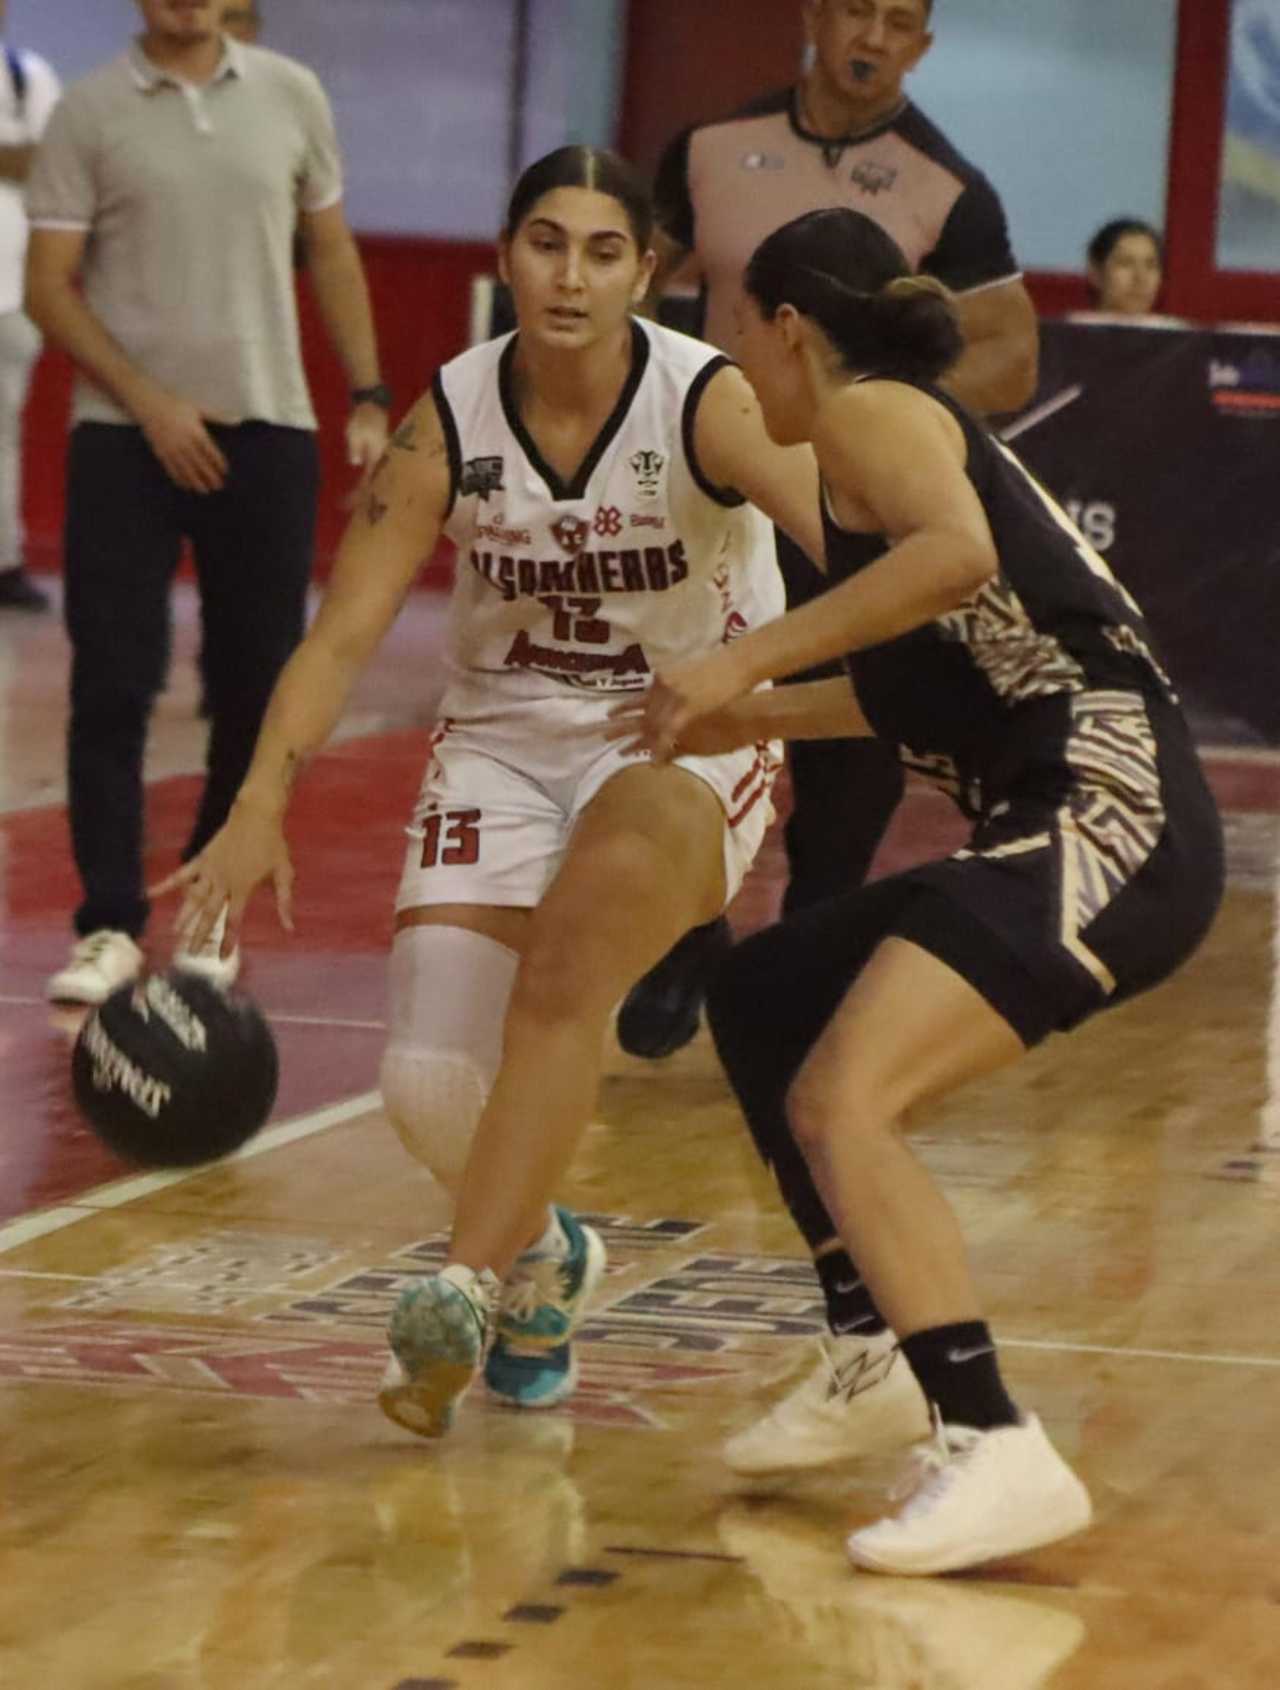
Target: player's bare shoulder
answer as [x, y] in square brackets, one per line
[867, 418]
[729, 425]
[729, 397]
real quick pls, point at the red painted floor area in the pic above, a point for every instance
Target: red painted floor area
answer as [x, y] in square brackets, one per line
[323, 988]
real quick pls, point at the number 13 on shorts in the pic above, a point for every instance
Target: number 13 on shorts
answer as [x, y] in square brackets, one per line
[451, 837]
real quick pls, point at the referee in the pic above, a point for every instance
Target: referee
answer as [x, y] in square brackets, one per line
[844, 135]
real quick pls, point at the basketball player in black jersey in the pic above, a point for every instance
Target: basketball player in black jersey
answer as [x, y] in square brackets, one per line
[988, 643]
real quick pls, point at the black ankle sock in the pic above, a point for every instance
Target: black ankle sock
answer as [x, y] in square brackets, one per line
[849, 1304]
[959, 1373]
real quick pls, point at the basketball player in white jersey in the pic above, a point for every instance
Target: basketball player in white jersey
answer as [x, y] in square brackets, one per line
[594, 472]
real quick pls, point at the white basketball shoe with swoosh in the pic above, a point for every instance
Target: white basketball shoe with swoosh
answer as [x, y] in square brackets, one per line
[976, 1496]
[860, 1400]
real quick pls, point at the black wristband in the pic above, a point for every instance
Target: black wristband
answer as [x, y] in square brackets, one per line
[379, 395]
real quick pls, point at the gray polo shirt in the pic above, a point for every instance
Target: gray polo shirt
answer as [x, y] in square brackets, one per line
[190, 198]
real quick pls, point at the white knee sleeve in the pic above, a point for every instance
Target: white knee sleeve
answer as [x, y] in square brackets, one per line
[449, 993]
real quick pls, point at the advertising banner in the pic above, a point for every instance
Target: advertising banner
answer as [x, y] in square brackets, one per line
[1163, 444]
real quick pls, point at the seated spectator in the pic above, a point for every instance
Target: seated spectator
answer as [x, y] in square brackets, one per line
[1126, 267]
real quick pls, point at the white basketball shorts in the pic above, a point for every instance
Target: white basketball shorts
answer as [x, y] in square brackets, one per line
[505, 785]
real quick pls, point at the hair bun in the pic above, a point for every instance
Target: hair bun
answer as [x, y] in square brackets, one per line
[916, 287]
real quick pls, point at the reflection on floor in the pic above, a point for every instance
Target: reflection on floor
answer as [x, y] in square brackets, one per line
[198, 1494]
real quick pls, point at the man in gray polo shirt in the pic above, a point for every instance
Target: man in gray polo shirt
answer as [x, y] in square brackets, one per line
[163, 203]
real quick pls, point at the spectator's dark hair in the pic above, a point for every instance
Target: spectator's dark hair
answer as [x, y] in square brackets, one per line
[843, 271]
[1110, 235]
[584, 167]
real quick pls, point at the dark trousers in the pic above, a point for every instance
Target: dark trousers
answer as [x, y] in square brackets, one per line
[125, 524]
[844, 791]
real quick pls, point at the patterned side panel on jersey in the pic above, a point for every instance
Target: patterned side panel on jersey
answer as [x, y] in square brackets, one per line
[1019, 661]
[1115, 816]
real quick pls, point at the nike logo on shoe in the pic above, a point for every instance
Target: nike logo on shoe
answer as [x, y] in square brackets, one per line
[958, 1356]
[860, 1374]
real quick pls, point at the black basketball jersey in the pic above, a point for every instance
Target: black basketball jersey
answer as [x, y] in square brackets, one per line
[974, 699]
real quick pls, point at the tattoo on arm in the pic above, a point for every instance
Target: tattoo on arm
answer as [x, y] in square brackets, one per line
[405, 439]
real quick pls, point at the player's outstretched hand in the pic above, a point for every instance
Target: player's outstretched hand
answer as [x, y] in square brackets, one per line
[248, 849]
[687, 709]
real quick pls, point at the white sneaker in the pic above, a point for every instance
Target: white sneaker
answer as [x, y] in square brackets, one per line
[861, 1400]
[975, 1497]
[99, 963]
[208, 961]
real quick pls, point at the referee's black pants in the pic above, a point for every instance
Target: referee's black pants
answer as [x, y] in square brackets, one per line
[125, 523]
[844, 791]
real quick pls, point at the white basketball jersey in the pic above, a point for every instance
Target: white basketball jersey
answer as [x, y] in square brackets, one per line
[593, 584]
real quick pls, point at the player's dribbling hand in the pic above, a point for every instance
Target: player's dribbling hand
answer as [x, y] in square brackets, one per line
[248, 849]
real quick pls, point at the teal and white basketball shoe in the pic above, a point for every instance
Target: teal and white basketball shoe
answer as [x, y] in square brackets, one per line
[544, 1299]
[438, 1333]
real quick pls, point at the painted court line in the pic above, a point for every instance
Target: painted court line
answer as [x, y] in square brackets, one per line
[1136, 1355]
[28, 1227]
[343, 1023]
[122, 1191]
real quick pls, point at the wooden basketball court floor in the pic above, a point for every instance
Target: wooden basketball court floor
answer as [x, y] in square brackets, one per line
[197, 1491]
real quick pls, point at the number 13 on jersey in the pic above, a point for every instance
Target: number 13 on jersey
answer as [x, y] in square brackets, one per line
[451, 838]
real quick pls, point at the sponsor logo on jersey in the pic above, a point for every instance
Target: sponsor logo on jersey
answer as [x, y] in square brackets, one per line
[481, 476]
[763, 161]
[608, 522]
[601, 670]
[648, 467]
[635, 569]
[498, 532]
[873, 178]
[647, 519]
[570, 533]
